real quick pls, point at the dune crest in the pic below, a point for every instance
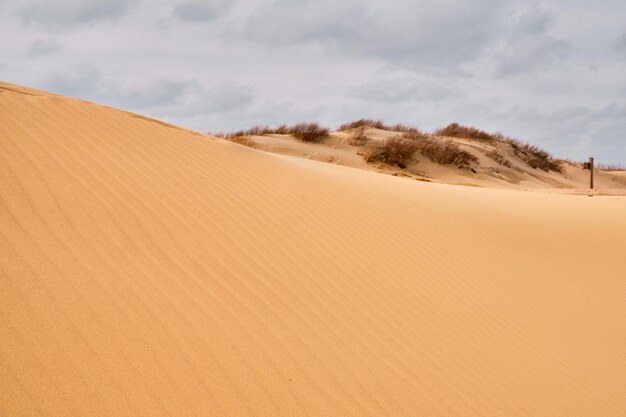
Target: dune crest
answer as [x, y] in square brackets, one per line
[147, 270]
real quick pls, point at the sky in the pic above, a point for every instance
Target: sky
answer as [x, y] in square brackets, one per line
[552, 73]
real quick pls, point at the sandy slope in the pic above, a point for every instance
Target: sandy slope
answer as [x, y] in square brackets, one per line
[146, 270]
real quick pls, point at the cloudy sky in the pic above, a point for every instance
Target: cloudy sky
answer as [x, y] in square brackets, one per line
[552, 73]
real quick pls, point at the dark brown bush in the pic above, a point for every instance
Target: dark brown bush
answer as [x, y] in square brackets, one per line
[395, 151]
[455, 130]
[534, 157]
[308, 132]
[400, 150]
[377, 124]
[499, 158]
[447, 153]
[242, 140]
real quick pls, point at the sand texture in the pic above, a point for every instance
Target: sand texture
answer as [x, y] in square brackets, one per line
[147, 270]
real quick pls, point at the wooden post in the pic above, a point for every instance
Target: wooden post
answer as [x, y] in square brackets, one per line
[591, 172]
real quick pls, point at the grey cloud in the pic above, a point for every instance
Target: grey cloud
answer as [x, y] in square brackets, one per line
[224, 97]
[428, 33]
[43, 47]
[528, 45]
[70, 13]
[401, 90]
[160, 92]
[620, 45]
[81, 81]
[199, 11]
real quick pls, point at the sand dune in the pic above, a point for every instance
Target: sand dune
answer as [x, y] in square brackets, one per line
[335, 148]
[147, 270]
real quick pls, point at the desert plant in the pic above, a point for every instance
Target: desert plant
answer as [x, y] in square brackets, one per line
[499, 158]
[363, 123]
[455, 130]
[242, 140]
[377, 124]
[534, 157]
[358, 137]
[446, 153]
[396, 151]
[610, 167]
[308, 132]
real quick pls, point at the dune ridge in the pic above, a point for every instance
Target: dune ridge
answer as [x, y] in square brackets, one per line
[148, 270]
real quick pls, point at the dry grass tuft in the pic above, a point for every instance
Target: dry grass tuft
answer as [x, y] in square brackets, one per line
[534, 157]
[242, 140]
[400, 150]
[455, 130]
[378, 124]
[395, 151]
[358, 137]
[446, 153]
[308, 132]
[499, 158]
[610, 167]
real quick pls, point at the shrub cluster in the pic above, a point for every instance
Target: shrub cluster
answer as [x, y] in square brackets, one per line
[447, 153]
[378, 124]
[395, 151]
[400, 150]
[455, 130]
[358, 137]
[242, 140]
[529, 154]
[499, 158]
[307, 132]
[534, 157]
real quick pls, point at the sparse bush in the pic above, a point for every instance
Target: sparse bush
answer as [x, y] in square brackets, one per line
[400, 150]
[308, 132]
[396, 151]
[377, 124]
[242, 140]
[358, 137]
[303, 131]
[447, 153]
[534, 157]
[499, 158]
[610, 167]
[455, 130]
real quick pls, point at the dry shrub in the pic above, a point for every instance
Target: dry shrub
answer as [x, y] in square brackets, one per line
[407, 130]
[377, 124]
[534, 157]
[455, 130]
[610, 167]
[447, 153]
[304, 131]
[358, 137]
[242, 140]
[499, 158]
[308, 132]
[396, 151]
[400, 150]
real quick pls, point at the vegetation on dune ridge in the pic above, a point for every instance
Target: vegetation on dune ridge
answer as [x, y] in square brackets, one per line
[400, 151]
[445, 153]
[378, 124]
[307, 132]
